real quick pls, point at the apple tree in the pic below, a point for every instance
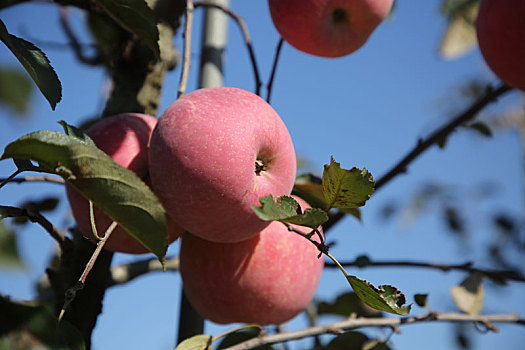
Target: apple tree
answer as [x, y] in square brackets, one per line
[256, 193]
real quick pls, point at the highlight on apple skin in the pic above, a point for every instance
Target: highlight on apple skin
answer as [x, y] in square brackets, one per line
[125, 138]
[500, 29]
[267, 279]
[328, 28]
[214, 153]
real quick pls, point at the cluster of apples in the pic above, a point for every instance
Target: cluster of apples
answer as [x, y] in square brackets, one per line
[500, 28]
[209, 158]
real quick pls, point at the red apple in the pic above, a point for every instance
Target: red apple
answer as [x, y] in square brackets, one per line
[267, 279]
[125, 138]
[328, 28]
[501, 35]
[213, 154]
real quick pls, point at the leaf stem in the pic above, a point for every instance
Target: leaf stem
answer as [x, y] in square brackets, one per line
[8, 179]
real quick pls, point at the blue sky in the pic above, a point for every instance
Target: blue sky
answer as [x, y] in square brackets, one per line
[367, 110]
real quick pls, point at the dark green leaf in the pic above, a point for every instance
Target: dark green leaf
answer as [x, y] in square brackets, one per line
[7, 3]
[114, 189]
[385, 298]
[197, 342]
[76, 132]
[136, 17]
[15, 90]
[32, 321]
[36, 64]
[38, 206]
[9, 255]
[362, 261]
[346, 188]
[421, 299]
[240, 336]
[286, 209]
[348, 341]
[481, 128]
[347, 304]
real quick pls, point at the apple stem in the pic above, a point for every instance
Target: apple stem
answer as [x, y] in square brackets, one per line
[339, 15]
[71, 292]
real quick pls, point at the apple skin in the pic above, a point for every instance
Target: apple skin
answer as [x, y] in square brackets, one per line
[202, 162]
[328, 28]
[125, 138]
[500, 28]
[267, 279]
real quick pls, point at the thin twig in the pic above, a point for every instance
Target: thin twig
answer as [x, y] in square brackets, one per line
[73, 41]
[495, 275]
[13, 212]
[274, 69]
[71, 292]
[435, 138]
[245, 33]
[125, 273]
[187, 49]
[18, 180]
[353, 323]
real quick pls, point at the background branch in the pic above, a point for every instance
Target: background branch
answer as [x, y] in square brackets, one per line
[45, 178]
[436, 137]
[125, 273]
[186, 63]
[353, 323]
[499, 276]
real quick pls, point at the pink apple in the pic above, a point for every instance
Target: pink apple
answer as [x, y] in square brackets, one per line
[328, 28]
[501, 36]
[267, 279]
[125, 138]
[213, 154]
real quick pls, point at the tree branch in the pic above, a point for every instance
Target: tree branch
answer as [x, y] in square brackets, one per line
[442, 133]
[125, 273]
[187, 49]
[44, 178]
[13, 212]
[274, 69]
[353, 323]
[499, 276]
[245, 33]
[435, 138]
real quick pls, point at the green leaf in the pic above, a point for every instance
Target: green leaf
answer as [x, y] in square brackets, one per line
[355, 341]
[36, 64]
[470, 294]
[114, 189]
[286, 209]
[421, 299]
[346, 188]
[310, 188]
[36, 325]
[9, 254]
[197, 342]
[385, 298]
[481, 128]
[241, 336]
[347, 304]
[76, 132]
[136, 17]
[15, 90]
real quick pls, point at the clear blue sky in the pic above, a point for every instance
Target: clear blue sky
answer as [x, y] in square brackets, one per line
[367, 110]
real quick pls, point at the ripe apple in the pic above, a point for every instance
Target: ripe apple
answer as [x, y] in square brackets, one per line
[267, 279]
[125, 138]
[328, 28]
[501, 35]
[213, 154]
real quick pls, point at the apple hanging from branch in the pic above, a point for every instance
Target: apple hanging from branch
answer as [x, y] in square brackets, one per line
[328, 28]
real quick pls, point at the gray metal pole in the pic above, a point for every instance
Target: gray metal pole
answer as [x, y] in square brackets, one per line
[214, 38]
